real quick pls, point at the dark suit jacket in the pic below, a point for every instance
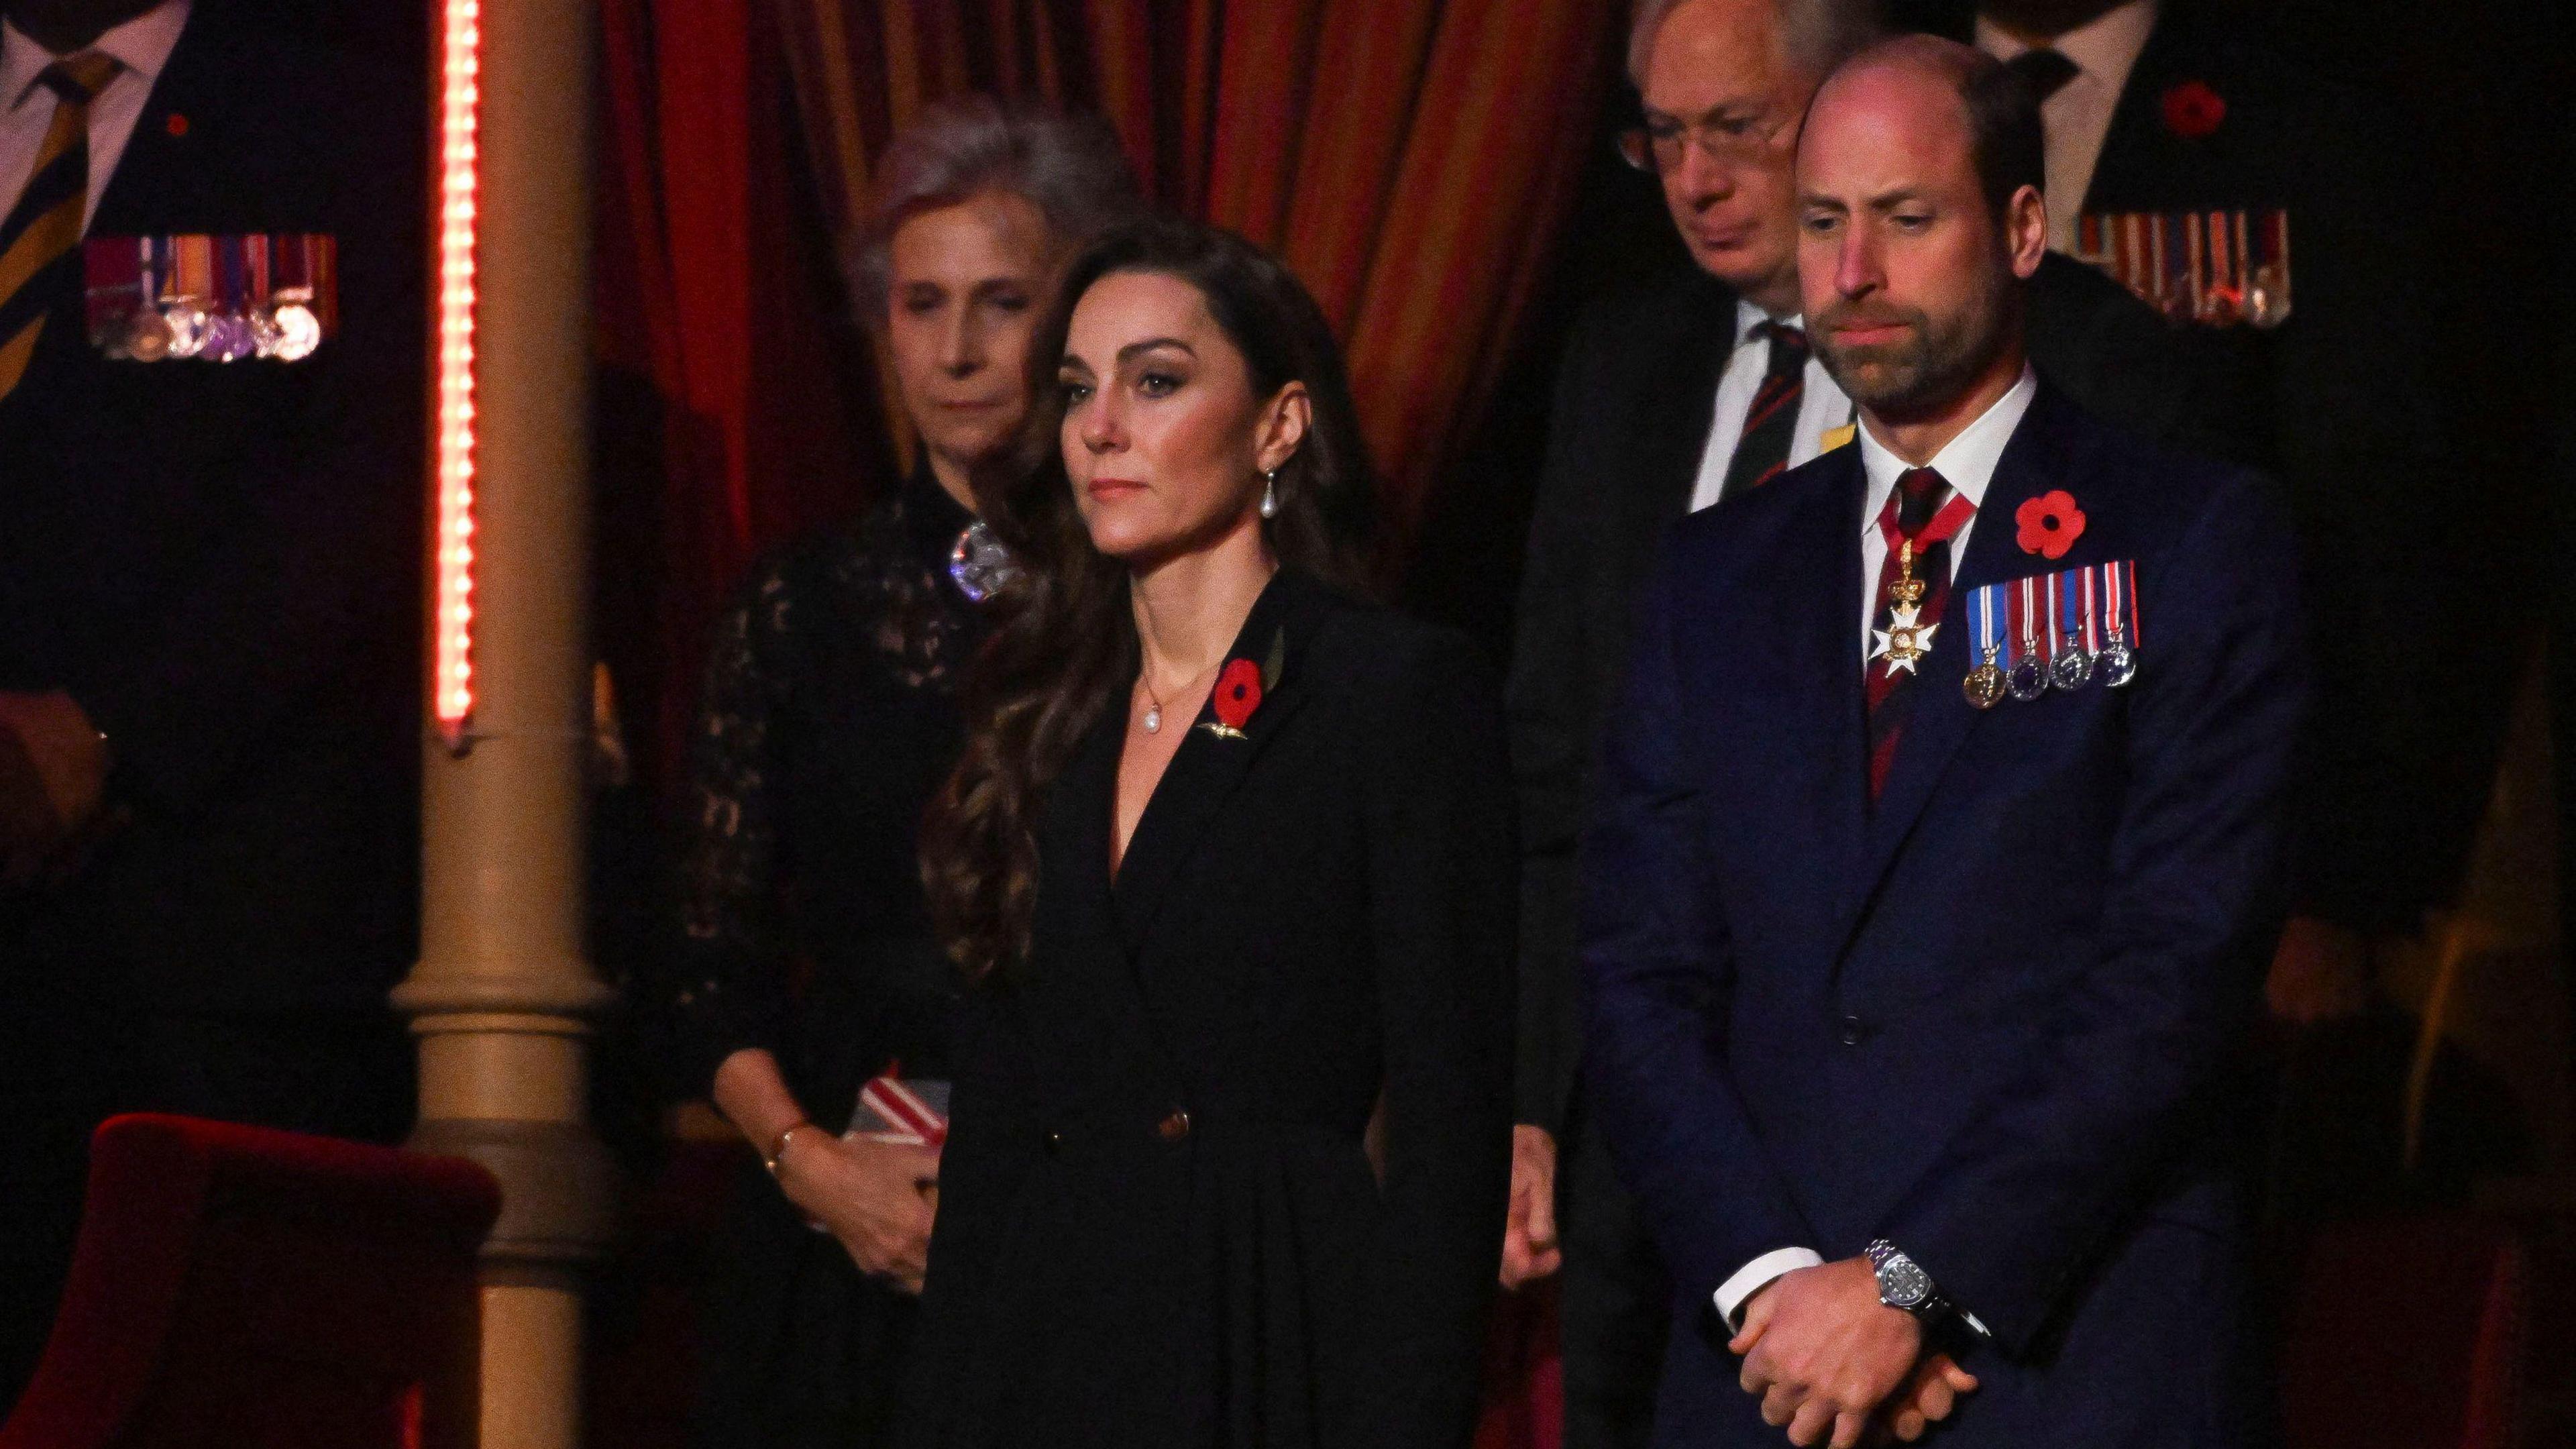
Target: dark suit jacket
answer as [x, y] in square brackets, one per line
[1312, 924]
[1634, 402]
[1991, 1020]
[2338, 403]
[218, 561]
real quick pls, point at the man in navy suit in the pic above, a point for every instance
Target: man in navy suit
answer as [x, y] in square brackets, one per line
[1938, 851]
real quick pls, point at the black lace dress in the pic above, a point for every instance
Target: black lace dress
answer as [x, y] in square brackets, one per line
[830, 717]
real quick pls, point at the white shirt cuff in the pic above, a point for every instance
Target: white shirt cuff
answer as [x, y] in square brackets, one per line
[1753, 1277]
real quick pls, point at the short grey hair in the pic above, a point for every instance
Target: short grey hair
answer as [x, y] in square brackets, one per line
[1068, 165]
[1816, 35]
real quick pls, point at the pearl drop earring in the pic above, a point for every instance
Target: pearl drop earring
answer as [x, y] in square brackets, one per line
[1270, 494]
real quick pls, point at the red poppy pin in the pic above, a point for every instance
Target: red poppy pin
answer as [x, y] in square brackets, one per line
[1239, 688]
[2050, 524]
[2192, 110]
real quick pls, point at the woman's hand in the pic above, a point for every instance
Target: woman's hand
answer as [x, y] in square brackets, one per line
[878, 1200]
[1530, 1251]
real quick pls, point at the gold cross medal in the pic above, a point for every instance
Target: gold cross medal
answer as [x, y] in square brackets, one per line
[1985, 685]
[1905, 641]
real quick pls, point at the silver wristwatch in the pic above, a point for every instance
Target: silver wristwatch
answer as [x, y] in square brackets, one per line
[1903, 1285]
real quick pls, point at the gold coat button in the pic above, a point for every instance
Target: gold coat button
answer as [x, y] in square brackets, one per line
[1173, 1128]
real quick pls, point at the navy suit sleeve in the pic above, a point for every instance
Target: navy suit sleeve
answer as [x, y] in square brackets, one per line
[2141, 1040]
[1657, 975]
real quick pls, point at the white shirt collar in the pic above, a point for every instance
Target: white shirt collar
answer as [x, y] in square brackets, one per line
[2103, 48]
[142, 45]
[1749, 315]
[1967, 462]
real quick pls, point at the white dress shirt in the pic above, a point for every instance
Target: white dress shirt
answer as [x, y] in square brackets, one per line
[2078, 117]
[1821, 405]
[1967, 462]
[141, 47]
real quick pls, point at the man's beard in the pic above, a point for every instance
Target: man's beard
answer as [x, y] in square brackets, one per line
[1936, 362]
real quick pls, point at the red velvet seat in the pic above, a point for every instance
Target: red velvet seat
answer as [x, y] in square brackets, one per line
[262, 1290]
[2408, 1334]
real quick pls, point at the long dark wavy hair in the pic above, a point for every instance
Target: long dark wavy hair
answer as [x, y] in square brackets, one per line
[1064, 643]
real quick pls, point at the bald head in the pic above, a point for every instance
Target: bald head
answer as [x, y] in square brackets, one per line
[2006, 142]
[1909, 263]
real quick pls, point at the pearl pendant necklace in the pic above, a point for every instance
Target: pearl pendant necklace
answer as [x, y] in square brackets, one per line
[1154, 701]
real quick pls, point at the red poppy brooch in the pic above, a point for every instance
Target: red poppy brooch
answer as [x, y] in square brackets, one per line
[1239, 688]
[2192, 110]
[2050, 524]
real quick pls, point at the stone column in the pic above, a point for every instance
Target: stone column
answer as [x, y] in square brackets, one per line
[503, 996]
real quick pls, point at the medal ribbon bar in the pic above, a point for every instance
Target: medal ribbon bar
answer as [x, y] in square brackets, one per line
[217, 299]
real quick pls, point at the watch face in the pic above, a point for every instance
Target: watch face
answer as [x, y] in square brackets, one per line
[1903, 1284]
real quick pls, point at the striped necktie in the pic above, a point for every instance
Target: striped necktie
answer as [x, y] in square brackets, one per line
[1771, 423]
[40, 242]
[1922, 515]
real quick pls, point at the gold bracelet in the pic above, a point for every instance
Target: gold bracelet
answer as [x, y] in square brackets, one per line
[778, 1144]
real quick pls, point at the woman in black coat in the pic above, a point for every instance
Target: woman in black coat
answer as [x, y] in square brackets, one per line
[1228, 862]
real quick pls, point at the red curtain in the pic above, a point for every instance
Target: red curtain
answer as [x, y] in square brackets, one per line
[1412, 160]
[725, 422]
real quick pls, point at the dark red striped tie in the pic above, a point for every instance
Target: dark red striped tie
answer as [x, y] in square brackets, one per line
[1922, 512]
[1771, 424]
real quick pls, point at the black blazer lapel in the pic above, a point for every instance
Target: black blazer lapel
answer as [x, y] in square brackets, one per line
[1074, 839]
[2145, 165]
[1676, 403]
[2135, 147]
[1824, 728]
[213, 151]
[1941, 717]
[1088, 979]
[1208, 766]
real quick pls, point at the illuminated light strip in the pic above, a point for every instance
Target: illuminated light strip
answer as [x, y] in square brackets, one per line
[452, 680]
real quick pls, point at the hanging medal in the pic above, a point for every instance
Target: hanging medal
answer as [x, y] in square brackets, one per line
[297, 277]
[228, 328]
[2119, 660]
[2072, 668]
[1906, 639]
[258, 253]
[2027, 679]
[2267, 268]
[147, 334]
[186, 291]
[1984, 685]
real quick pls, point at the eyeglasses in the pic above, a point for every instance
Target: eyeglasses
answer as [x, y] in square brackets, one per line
[1727, 138]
